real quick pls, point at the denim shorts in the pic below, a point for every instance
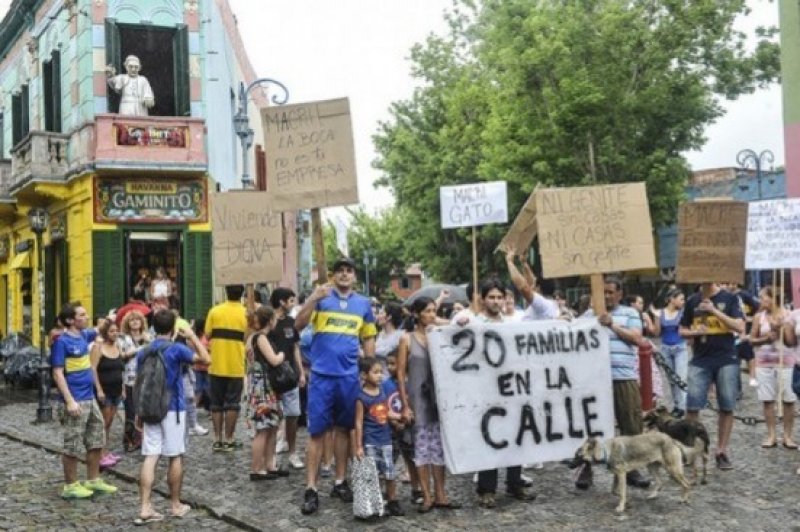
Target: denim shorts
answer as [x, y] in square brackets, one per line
[726, 377]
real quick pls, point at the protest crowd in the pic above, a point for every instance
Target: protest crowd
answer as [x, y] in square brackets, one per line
[357, 374]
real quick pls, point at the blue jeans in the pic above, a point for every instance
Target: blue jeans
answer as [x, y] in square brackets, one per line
[724, 375]
[677, 358]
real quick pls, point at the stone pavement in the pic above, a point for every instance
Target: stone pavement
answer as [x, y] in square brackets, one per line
[758, 494]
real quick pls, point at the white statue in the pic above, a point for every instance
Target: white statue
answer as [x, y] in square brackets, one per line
[136, 96]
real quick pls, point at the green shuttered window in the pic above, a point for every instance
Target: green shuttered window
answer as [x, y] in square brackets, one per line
[197, 283]
[108, 271]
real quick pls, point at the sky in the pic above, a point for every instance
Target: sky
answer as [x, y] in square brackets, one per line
[360, 48]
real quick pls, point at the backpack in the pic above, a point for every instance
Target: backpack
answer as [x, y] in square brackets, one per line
[151, 393]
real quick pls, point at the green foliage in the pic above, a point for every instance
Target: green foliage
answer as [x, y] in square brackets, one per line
[561, 93]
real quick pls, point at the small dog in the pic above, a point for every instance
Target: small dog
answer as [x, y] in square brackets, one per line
[627, 453]
[692, 434]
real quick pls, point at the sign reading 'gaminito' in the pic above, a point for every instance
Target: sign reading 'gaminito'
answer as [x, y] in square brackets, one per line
[150, 201]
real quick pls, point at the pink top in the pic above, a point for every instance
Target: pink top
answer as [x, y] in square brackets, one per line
[768, 355]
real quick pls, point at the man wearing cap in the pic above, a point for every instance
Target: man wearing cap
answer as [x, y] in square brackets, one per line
[343, 325]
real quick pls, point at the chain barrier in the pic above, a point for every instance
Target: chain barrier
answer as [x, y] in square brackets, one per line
[675, 380]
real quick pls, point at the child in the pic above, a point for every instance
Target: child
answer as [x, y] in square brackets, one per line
[402, 435]
[373, 434]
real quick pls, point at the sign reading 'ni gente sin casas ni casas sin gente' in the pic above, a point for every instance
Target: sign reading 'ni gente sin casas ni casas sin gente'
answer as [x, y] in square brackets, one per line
[150, 201]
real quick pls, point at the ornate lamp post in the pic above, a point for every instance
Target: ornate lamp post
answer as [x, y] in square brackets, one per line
[38, 219]
[368, 254]
[241, 123]
[746, 158]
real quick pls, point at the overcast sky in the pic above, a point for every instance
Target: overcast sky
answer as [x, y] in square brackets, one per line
[360, 49]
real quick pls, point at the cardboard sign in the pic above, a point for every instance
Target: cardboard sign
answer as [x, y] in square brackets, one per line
[773, 234]
[473, 204]
[523, 230]
[600, 229]
[711, 241]
[248, 238]
[516, 393]
[310, 155]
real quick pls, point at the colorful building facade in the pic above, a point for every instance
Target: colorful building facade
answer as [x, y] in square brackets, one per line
[125, 194]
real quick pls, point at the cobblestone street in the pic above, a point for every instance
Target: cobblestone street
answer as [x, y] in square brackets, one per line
[754, 496]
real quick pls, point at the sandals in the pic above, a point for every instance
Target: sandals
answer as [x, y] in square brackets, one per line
[449, 505]
[152, 518]
[766, 444]
[185, 509]
[424, 508]
[791, 445]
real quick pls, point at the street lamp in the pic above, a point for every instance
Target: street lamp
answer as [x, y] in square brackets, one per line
[38, 218]
[241, 123]
[759, 161]
[367, 255]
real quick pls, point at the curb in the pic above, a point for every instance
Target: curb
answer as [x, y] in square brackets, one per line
[194, 503]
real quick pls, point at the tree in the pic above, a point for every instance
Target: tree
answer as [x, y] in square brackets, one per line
[562, 93]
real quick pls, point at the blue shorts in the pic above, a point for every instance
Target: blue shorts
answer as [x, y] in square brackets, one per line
[331, 402]
[726, 377]
[384, 461]
[200, 382]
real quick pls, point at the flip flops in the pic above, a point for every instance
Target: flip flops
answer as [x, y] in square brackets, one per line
[769, 445]
[790, 445]
[153, 518]
[185, 509]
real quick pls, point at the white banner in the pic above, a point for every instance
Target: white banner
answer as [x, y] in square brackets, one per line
[516, 393]
[773, 234]
[473, 204]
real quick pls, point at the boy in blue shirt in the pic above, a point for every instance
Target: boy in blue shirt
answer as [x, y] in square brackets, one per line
[373, 434]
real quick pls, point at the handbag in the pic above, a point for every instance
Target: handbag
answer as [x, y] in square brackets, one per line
[367, 498]
[282, 378]
[796, 379]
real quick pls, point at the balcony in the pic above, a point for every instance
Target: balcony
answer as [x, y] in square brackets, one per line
[150, 143]
[40, 156]
[7, 203]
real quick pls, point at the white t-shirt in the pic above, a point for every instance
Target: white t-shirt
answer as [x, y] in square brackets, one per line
[541, 308]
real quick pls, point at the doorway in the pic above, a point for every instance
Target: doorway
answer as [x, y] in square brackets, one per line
[148, 251]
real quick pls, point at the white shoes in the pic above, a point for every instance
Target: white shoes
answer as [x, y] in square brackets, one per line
[754, 383]
[281, 446]
[197, 430]
[295, 461]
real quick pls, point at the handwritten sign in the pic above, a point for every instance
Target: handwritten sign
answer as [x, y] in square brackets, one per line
[711, 241]
[588, 230]
[248, 238]
[310, 155]
[516, 393]
[523, 230]
[473, 204]
[773, 234]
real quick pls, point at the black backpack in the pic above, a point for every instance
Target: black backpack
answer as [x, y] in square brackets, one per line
[152, 393]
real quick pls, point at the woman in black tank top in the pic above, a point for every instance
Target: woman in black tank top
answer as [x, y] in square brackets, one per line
[107, 365]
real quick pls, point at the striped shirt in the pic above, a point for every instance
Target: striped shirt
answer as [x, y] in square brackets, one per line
[624, 356]
[339, 324]
[71, 352]
[226, 325]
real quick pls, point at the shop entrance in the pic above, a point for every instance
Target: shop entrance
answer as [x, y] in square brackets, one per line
[146, 253]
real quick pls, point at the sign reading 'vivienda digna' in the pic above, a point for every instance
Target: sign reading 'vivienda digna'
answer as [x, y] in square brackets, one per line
[150, 201]
[516, 393]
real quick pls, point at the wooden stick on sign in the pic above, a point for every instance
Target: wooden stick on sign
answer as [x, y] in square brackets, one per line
[779, 301]
[598, 294]
[475, 305]
[319, 246]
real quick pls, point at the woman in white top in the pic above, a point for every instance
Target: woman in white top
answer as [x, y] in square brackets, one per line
[161, 286]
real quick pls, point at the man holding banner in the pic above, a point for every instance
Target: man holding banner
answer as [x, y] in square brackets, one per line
[711, 319]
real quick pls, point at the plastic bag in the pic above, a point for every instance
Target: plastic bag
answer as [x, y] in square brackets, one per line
[367, 498]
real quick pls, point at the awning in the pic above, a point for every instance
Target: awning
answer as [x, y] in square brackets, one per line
[21, 260]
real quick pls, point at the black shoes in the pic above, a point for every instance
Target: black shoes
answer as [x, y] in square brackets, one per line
[342, 491]
[635, 479]
[584, 480]
[393, 508]
[310, 502]
[521, 494]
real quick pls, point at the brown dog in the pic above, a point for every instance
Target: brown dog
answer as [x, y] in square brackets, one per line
[627, 453]
[692, 434]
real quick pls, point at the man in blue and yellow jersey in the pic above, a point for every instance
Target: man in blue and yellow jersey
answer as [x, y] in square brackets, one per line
[80, 414]
[711, 320]
[226, 326]
[344, 326]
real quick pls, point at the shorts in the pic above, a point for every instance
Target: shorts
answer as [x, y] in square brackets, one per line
[744, 350]
[332, 402]
[724, 375]
[167, 438]
[768, 384]
[428, 449]
[225, 393]
[291, 402]
[84, 432]
[112, 400]
[382, 454]
[201, 382]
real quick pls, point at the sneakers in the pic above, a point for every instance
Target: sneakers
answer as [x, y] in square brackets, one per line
[99, 485]
[326, 471]
[295, 461]
[526, 481]
[635, 479]
[486, 500]
[107, 461]
[677, 413]
[342, 491]
[418, 498]
[723, 462]
[393, 508]
[521, 494]
[197, 430]
[753, 382]
[310, 502]
[584, 480]
[75, 491]
[281, 446]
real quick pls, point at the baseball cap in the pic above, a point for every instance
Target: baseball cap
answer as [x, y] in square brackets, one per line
[344, 261]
